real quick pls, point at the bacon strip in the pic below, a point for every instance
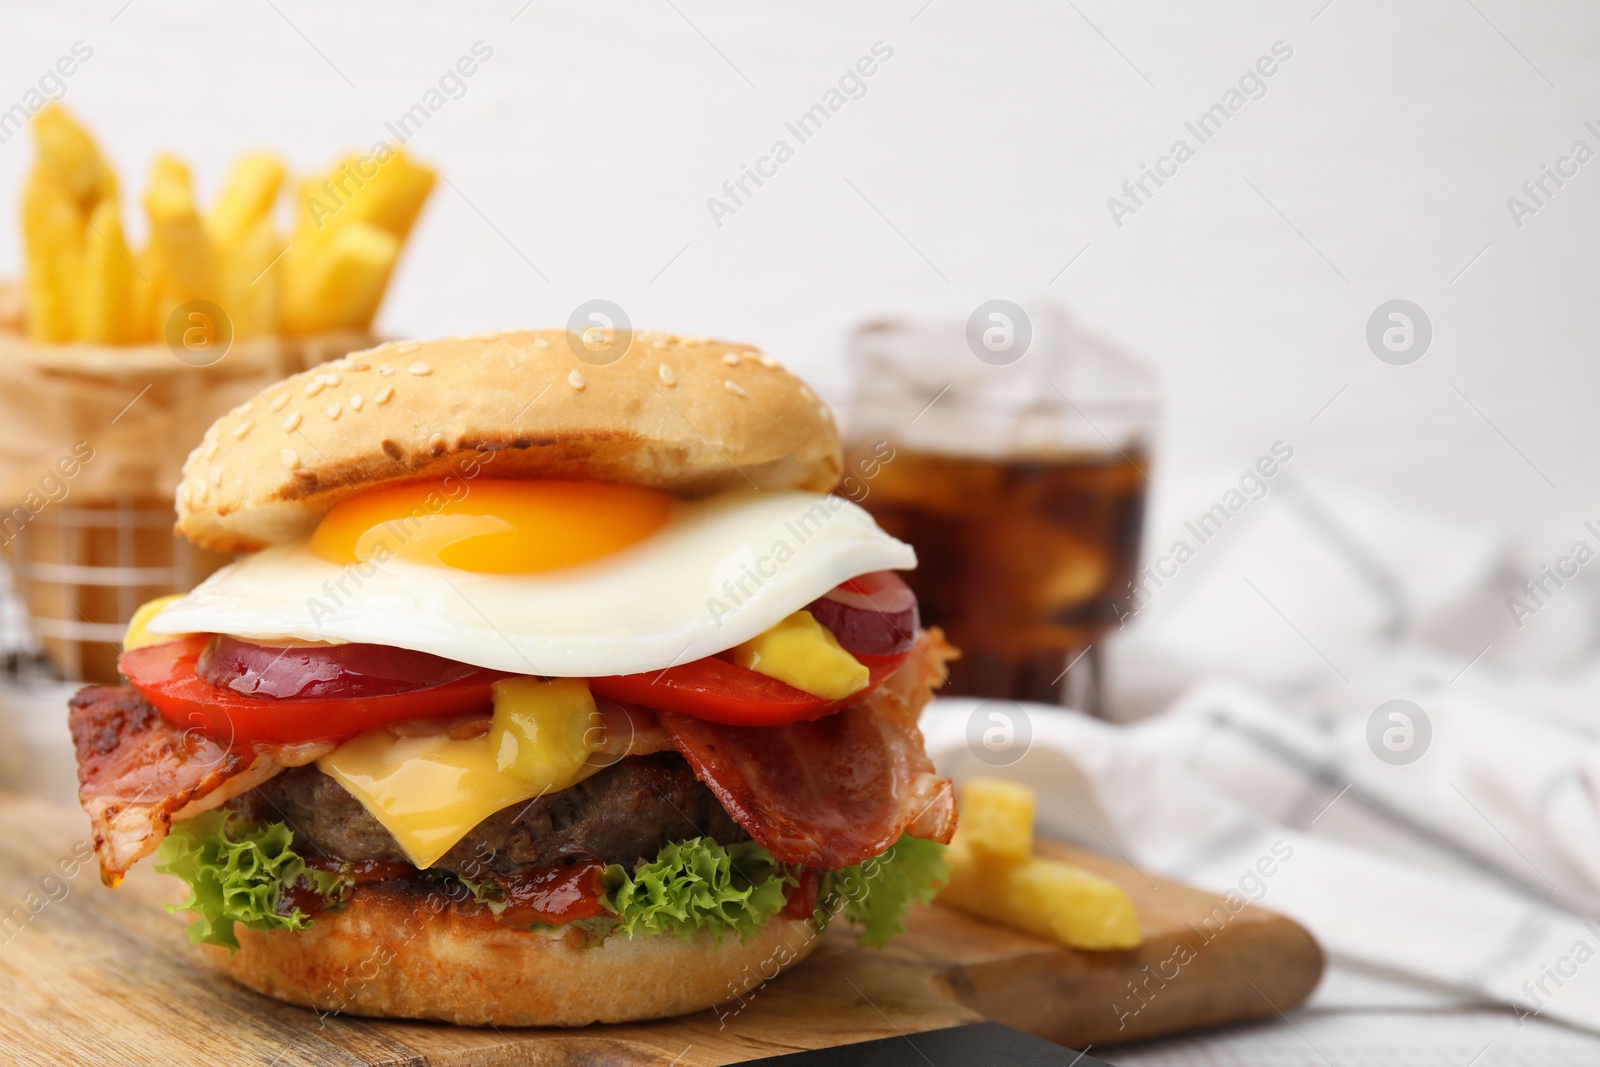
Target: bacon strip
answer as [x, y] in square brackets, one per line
[834, 792]
[137, 773]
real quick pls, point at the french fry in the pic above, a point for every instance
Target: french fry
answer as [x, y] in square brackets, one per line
[250, 280]
[67, 185]
[52, 235]
[997, 818]
[995, 875]
[337, 265]
[107, 311]
[246, 198]
[182, 261]
[1042, 897]
[70, 160]
[169, 170]
[246, 243]
[387, 191]
[342, 284]
[394, 198]
[144, 292]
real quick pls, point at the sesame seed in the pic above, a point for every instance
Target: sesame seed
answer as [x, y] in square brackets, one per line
[278, 401]
[332, 377]
[333, 411]
[806, 392]
[421, 370]
[575, 378]
[208, 448]
[693, 341]
[199, 493]
[240, 410]
[731, 358]
[768, 361]
[360, 366]
[383, 395]
[735, 388]
[216, 474]
[386, 371]
[290, 459]
[667, 376]
[390, 449]
[436, 443]
[355, 402]
[540, 342]
[291, 421]
[658, 344]
[315, 386]
[825, 412]
[405, 348]
[241, 430]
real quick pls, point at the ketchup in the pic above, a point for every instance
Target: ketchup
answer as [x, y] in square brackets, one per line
[304, 897]
[554, 895]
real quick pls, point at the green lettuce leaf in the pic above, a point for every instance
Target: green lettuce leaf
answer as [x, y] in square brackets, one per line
[877, 895]
[236, 872]
[485, 891]
[698, 884]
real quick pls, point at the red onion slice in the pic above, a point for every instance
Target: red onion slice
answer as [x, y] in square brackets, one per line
[284, 671]
[874, 614]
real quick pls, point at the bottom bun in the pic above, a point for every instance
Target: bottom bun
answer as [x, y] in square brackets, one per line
[409, 955]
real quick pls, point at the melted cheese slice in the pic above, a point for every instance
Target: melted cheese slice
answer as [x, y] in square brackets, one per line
[429, 792]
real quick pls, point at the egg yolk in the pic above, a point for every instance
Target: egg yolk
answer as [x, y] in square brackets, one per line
[497, 527]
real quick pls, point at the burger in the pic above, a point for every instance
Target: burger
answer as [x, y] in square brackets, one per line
[541, 692]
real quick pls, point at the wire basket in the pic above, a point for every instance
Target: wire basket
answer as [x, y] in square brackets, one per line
[81, 572]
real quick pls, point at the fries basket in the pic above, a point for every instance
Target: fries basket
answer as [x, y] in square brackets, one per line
[95, 441]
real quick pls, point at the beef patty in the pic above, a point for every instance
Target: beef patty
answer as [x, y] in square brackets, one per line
[622, 814]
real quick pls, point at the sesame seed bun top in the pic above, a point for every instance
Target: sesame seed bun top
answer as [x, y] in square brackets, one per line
[685, 415]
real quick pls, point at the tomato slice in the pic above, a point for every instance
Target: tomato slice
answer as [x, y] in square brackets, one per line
[165, 674]
[718, 691]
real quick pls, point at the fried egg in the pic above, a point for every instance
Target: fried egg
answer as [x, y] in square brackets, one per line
[558, 579]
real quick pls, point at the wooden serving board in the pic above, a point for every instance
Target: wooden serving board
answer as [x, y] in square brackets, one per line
[90, 975]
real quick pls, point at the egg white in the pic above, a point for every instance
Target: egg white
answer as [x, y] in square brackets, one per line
[719, 572]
